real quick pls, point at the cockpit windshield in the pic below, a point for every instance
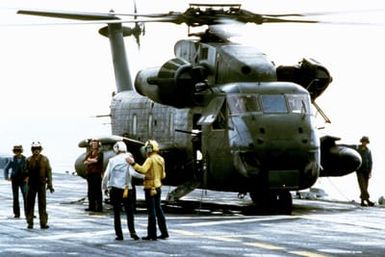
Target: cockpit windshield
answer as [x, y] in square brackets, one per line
[298, 103]
[243, 103]
[274, 104]
[282, 103]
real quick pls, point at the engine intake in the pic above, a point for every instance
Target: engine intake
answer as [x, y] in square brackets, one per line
[308, 73]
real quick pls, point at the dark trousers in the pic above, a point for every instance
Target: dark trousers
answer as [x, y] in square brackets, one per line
[363, 182]
[40, 191]
[116, 196]
[155, 213]
[16, 185]
[95, 196]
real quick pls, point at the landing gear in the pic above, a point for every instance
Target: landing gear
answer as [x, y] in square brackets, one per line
[273, 201]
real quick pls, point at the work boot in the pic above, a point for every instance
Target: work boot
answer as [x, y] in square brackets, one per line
[370, 203]
[149, 238]
[135, 236]
[363, 203]
[162, 237]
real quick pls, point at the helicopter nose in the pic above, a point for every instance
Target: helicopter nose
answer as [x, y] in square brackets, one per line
[247, 163]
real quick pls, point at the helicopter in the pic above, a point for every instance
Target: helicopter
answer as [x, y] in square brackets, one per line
[225, 116]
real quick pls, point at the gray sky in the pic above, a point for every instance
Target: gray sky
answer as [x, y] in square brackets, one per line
[54, 78]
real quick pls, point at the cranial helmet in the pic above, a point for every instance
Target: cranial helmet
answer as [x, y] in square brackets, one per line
[17, 148]
[36, 145]
[95, 140]
[151, 146]
[364, 139]
[120, 147]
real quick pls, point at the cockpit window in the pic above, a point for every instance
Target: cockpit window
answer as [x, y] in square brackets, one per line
[298, 103]
[274, 104]
[243, 103]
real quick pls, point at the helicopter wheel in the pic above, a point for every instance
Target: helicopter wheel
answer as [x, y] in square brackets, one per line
[273, 201]
[284, 202]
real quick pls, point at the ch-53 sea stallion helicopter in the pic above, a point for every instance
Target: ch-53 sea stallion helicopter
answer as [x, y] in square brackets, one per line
[225, 116]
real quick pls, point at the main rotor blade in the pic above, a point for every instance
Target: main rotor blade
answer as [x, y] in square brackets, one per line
[189, 18]
[71, 15]
[307, 14]
[85, 17]
[268, 19]
[149, 15]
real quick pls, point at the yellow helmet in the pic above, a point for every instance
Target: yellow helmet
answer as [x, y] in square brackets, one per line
[151, 146]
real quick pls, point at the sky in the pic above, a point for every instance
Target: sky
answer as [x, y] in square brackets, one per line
[54, 79]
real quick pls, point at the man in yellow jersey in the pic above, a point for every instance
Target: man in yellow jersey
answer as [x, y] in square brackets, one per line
[154, 170]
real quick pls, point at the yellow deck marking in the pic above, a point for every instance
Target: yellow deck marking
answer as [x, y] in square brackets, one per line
[265, 246]
[308, 254]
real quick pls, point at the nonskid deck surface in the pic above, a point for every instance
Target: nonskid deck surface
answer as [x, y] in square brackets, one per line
[204, 224]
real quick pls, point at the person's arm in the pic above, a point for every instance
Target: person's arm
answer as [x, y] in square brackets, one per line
[370, 163]
[135, 174]
[106, 177]
[143, 168]
[49, 175]
[6, 170]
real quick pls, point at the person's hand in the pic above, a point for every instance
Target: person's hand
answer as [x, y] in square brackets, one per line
[130, 160]
[51, 190]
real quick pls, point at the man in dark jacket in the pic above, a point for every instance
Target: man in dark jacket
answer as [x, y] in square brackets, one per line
[94, 167]
[18, 175]
[39, 180]
[364, 172]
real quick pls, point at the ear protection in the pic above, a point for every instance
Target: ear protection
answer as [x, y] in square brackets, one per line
[94, 140]
[149, 147]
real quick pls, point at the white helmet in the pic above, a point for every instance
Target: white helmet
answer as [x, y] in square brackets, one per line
[36, 144]
[120, 147]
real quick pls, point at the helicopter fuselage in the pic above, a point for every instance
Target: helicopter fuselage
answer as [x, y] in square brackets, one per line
[251, 135]
[227, 119]
[225, 116]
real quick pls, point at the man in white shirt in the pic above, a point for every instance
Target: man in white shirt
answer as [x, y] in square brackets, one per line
[117, 178]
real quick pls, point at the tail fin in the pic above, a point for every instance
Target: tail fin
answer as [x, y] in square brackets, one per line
[115, 32]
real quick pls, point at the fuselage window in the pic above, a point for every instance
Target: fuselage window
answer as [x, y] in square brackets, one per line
[150, 125]
[220, 121]
[299, 103]
[204, 53]
[274, 104]
[243, 103]
[134, 124]
[171, 124]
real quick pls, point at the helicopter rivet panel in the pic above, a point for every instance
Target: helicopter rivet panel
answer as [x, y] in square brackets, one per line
[244, 64]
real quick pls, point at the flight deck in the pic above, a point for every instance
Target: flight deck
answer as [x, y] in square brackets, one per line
[207, 223]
